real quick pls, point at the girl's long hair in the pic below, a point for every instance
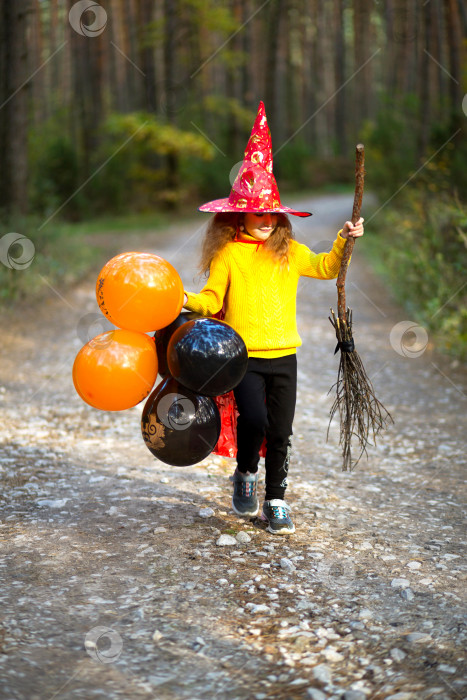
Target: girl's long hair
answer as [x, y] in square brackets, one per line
[223, 227]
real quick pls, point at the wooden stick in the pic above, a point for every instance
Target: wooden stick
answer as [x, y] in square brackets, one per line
[357, 205]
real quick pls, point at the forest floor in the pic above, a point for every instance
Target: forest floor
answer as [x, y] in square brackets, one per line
[102, 542]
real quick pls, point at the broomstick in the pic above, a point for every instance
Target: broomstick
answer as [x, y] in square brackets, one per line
[361, 414]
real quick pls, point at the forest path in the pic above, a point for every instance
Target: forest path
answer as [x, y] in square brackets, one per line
[100, 540]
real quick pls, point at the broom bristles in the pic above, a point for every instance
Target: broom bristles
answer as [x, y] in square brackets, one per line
[362, 415]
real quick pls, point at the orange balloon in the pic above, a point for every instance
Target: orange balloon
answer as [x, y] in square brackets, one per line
[75, 382]
[139, 292]
[116, 370]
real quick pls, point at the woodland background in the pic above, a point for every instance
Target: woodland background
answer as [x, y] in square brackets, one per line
[126, 113]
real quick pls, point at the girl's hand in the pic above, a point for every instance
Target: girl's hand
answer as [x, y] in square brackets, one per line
[349, 229]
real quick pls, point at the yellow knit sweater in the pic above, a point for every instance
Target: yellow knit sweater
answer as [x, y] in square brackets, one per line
[260, 294]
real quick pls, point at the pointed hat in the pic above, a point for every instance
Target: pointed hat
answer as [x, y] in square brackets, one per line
[255, 188]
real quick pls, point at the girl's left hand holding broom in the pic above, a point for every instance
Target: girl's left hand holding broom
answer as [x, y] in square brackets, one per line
[361, 414]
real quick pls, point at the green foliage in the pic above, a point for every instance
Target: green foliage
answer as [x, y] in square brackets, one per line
[207, 20]
[135, 149]
[209, 179]
[390, 144]
[66, 252]
[150, 136]
[222, 108]
[421, 251]
[295, 167]
[423, 218]
[211, 16]
[392, 150]
[61, 256]
[292, 165]
[54, 171]
[129, 169]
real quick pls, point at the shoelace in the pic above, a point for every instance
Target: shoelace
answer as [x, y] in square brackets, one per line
[248, 488]
[280, 512]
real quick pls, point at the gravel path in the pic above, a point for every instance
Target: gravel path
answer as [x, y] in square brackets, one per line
[102, 542]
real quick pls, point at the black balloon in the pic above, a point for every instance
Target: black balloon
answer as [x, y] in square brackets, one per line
[207, 356]
[163, 336]
[179, 426]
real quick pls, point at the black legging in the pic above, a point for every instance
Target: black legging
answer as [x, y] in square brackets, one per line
[266, 403]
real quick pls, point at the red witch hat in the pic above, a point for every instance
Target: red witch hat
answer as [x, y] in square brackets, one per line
[255, 188]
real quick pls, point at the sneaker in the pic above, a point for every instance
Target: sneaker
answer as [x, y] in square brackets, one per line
[244, 500]
[276, 513]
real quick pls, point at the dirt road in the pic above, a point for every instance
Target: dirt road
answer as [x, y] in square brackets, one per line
[100, 542]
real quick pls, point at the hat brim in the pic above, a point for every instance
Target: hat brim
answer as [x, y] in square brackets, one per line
[222, 206]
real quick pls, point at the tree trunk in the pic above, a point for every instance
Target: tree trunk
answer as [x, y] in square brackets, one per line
[248, 94]
[233, 87]
[14, 87]
[362, 52]
[322, 87]
[293, 71]
[454, 45]
[309, 77]
[437, 50]
[53, 45]
[118, 65]
[272, 45]
[132, 75]
[146, 53]
[424, 85]
[339, 67]
[169, 84]
[87, 68]
[36, 58]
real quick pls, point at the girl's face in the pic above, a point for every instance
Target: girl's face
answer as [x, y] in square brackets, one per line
[260, 225]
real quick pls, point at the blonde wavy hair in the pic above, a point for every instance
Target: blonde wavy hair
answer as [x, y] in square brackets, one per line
[222, 229]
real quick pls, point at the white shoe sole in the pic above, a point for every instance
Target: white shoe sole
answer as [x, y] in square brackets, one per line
[284, 531]
[247, 515]
[281, 532]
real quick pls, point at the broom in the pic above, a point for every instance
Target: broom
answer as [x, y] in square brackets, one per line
[362, 415]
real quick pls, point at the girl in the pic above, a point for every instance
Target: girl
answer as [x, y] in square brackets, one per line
[254, 265]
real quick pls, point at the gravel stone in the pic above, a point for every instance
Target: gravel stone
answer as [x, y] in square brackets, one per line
[315, 694]
[226, 541]
[257, 608]
[400, 583]
[354, 695]
[243, 537]
[418, 637]
[397, 654]
[322, 673]
[206, 512]
[414, 565]
[287, 564]
[332, 656]
[444, 668]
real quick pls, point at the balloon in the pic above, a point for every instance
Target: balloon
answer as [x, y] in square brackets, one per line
[75, 382]
[207, 356]
[116, 370]
[139, 292]
[179, 426]
[163, 336]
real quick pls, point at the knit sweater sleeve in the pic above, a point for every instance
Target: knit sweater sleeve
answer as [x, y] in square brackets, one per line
[324, 266]
[211, 298]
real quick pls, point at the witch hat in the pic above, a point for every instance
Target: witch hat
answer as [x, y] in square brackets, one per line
[255, 187]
